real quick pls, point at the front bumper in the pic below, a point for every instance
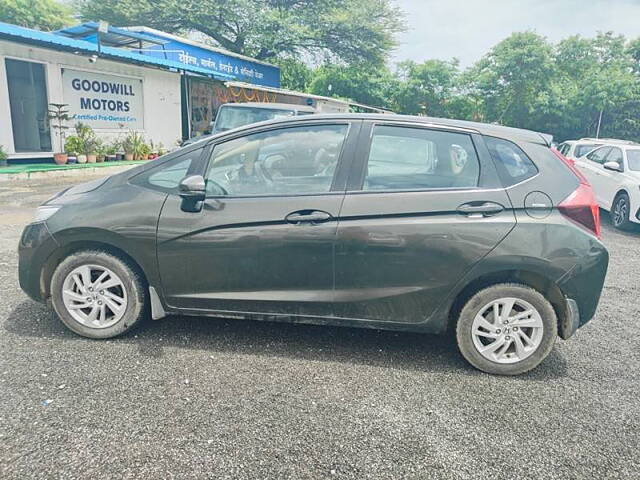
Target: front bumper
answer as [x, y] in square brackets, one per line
[36, 246]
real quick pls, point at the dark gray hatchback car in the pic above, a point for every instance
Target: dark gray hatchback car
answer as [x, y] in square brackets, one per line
[390, 222]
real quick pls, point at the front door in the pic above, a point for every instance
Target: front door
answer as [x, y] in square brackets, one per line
[265, 237]
[419, 218]
[591, 167]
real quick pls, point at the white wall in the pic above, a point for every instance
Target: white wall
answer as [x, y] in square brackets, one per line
[161, 92]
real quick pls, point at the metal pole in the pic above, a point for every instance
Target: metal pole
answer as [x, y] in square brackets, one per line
[599, 123]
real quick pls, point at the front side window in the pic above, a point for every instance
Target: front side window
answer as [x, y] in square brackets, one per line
[633, 159]
[514, 166]
[405, 158]
[615, 155]
[599, 155]
[287, 161]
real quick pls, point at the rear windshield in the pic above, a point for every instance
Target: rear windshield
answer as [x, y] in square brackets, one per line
[233, 117]
[583, 149]
[633, 159]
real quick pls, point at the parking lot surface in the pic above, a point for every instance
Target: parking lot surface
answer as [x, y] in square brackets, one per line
[213, 398]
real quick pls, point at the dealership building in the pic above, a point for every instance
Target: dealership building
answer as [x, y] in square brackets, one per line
[118, 79]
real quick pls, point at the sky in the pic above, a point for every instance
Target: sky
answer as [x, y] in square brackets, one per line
[467, 29]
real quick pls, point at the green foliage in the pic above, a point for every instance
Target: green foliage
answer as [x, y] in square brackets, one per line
[39, 14]
[294, 74]
[3, 156]
[347, 30]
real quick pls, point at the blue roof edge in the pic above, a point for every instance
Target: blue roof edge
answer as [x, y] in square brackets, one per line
[52, 40]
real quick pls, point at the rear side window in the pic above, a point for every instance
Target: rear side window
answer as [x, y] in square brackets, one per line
[514, 166]
[405, 158]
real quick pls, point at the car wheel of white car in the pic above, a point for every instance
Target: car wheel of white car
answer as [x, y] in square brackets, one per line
[620, 211]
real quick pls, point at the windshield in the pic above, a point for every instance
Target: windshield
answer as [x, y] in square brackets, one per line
[233, 117]
[633, 159]
[582, 150]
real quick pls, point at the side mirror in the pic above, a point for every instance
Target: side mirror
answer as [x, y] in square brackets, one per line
[193, 192]
[615, 166]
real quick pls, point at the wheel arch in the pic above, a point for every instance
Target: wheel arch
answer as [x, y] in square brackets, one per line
[531, 278]
[72, 247]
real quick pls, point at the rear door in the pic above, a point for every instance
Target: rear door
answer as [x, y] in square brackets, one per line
[264, 240]
[423, 206]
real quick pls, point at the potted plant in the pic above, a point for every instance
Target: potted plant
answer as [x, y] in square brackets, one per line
[59, 114]
[133, 146]
[72, 146]
[101, 151]
[88, 139]
[161, 149]
[145, 151]
[3, 157]
[110, 152]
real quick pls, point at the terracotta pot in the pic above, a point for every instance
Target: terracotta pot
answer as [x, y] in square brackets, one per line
[128, 157]
[82, 158]
[92, 158]
[145, 156]
[100, 158]
[60, 158]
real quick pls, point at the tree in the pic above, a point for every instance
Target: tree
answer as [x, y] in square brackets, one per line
[363, 83]
[40, 14]
[345, 30]
[294, 74]
[427, 88]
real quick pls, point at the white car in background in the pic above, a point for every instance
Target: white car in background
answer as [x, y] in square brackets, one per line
[573, 149]
[614, 173]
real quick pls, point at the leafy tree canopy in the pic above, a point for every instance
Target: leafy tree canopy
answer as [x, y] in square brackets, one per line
[345, 30]
[39, 14]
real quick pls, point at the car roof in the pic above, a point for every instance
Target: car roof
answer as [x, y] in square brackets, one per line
[272, 106]
[488, 129]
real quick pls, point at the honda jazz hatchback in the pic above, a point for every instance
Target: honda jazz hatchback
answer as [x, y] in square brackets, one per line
[387, 222]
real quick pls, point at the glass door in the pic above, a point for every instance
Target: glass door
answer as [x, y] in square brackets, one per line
[28, 100]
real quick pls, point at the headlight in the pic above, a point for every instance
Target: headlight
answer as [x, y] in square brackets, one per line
[44, 212]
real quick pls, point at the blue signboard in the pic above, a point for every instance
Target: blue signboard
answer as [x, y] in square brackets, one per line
[241, 69]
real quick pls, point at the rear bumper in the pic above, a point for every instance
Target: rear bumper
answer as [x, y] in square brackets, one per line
[36, 246]
[583, 284]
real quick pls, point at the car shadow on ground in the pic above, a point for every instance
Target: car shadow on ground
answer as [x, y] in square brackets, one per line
[632, 231]
[380, 348]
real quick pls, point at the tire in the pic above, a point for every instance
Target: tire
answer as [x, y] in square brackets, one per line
[620, 210]
[122, 297]
[540, 327]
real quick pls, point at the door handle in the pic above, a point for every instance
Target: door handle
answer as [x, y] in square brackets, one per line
[308, 216]
[480, 209]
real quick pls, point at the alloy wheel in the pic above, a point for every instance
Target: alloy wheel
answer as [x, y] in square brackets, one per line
[507, 330]
[94, 296]
[620, 212]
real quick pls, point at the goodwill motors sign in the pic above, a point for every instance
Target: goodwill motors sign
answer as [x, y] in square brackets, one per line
[103, 101]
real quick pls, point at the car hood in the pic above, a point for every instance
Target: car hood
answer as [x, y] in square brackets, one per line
[77, 190]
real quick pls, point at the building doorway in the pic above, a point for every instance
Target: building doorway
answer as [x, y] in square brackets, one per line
[29, 107]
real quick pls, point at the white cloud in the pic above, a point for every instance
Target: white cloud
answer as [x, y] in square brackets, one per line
[467, 29]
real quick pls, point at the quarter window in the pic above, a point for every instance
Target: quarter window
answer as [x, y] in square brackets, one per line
[405, 158]
[615, 155]
[167, 177]
[287, 161]
[514, 166]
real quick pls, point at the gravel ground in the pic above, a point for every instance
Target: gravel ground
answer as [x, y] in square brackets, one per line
[199, 398]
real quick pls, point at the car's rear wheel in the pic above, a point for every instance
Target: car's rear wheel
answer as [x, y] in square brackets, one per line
[620, 211]
[506, 329]
[98, 295]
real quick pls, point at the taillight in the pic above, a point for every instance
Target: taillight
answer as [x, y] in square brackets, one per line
[581, 206]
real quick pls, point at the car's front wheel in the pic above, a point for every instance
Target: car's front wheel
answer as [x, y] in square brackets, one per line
[98, 295]
[506, 329]
[620, 211]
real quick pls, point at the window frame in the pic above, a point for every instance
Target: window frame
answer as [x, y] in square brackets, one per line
[343, 164]
[358, 172]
